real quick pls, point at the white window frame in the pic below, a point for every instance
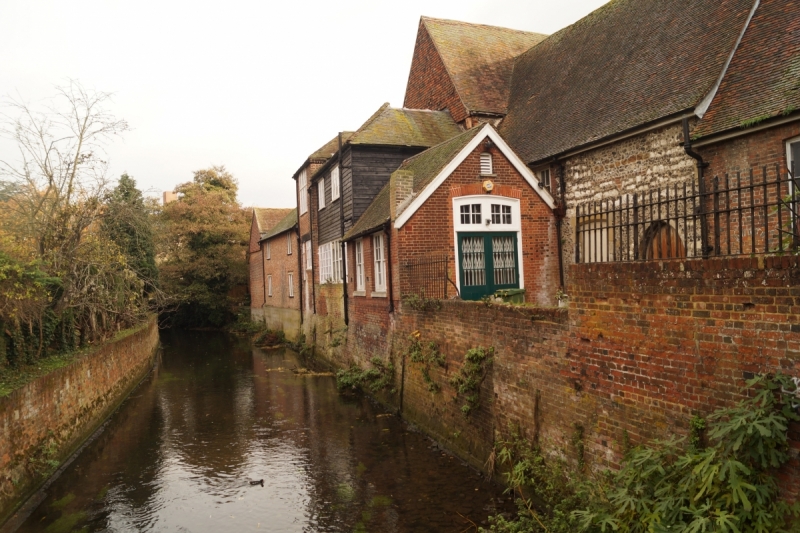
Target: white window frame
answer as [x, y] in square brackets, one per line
[289, 243]
[269, 285]
[335, 191]
[325, 264]
[379, 262]
[545, 180]
[291, 284]
[486, 202]
[796, 176]
[302, 185]
[360, 265]
[337, 261]
[309, 260]
[321, 193]
[269, 251]
[487, 165]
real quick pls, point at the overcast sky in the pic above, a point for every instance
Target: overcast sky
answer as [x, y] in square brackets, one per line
[255, 86]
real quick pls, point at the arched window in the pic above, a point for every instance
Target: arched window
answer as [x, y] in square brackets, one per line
[486, 163]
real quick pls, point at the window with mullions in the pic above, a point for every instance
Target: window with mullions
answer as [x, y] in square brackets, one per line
[471, 214]
[501, 214]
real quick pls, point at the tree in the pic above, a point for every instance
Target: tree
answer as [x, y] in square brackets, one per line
[127, 223]
[202, 249]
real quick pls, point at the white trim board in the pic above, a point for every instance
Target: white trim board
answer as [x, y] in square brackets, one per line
[486, 131]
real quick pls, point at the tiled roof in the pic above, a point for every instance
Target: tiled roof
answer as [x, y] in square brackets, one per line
[286, 223]
[425, 166]
[479, 59]
[331, 147]
[391, 126]
[763, 79]
[626, 64]
[266, 218]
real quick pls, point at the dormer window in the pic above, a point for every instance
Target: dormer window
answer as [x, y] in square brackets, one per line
[486, 164]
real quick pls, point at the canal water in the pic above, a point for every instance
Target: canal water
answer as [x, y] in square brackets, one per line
[181, 453]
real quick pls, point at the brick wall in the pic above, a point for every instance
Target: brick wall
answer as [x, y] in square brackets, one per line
[65, 406]
[280, 266]
[429, 85]
[430, 230]
[254, 260]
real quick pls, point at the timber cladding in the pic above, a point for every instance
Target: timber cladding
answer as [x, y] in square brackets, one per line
[61, 409]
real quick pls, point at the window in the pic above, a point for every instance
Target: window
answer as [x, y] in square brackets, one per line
[544, 178]
[380, 263]
[269, 286]
[793, 153]
[269, 253]
[288, 244]
[335, 183]
[486, 163]
[302, 185]
[321, 193]
[471, 214]
[291, 285]
[336, 253]
[360, 265]
[501, 214]
[325, 264]
[309, 261]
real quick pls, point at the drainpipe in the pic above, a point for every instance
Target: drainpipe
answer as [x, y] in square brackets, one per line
[388, 231]
[299, 266]
[342, 243]
[561, 211]
[311, 238]
[701, 166]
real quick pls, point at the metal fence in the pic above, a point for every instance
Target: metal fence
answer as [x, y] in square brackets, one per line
[742, 213]
[426, 277]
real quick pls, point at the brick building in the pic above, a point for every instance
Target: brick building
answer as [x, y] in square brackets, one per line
[262, 221]
[282, 268]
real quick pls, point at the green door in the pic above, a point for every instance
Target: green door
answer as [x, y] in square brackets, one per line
[487, 262]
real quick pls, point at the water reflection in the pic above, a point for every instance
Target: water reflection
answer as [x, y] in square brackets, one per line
[181, 452]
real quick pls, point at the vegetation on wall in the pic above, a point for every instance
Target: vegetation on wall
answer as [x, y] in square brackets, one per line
[66, 279]
[470, 376]
[677, 485]
[425, 355]
[374, 379]
[202, 250]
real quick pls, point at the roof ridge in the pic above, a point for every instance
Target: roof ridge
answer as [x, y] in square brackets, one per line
[451, 139]
[478, 25]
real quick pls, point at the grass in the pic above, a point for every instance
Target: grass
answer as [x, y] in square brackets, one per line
[13, 378]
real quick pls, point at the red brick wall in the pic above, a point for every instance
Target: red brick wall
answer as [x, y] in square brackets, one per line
[279, 266]
[429, 85]
[256, 278]
[430, 230]
[65, 406]
[765, 147]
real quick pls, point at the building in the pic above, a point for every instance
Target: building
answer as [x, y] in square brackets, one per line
[282, 265]
[263, 220]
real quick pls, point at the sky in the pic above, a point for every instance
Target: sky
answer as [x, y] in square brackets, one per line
[254, 86]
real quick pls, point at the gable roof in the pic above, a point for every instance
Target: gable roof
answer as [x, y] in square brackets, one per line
[763, 79]
[324, 152]
[629, 63]
[267, 217]
[390, 126]
[479, 59]
[430, 169]
[284, 224]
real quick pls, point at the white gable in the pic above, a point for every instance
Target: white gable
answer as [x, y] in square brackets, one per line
[486, 131]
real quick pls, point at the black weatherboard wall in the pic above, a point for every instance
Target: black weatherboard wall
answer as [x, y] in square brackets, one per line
[366, 169]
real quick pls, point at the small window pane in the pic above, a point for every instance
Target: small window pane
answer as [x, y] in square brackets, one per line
[335, 183]
[495, 214]
[465, 214]
[476, 213]
[506, 214]
[321, 192]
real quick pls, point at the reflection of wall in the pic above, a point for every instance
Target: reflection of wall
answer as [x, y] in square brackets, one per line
[281, 318]
[65, 406]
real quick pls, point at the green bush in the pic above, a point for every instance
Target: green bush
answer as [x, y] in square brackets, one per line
[375, 379]
[728, 486]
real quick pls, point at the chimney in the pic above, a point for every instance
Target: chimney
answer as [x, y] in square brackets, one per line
[401, 189]
[170, 196]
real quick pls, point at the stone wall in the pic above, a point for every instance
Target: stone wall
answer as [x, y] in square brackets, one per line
[61, 409]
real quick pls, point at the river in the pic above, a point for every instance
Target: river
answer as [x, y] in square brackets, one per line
[215, 415]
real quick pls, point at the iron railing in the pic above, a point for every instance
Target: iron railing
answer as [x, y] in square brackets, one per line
[426, 277]
[741, 213]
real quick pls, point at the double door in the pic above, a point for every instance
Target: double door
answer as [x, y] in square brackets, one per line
[487, 262]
